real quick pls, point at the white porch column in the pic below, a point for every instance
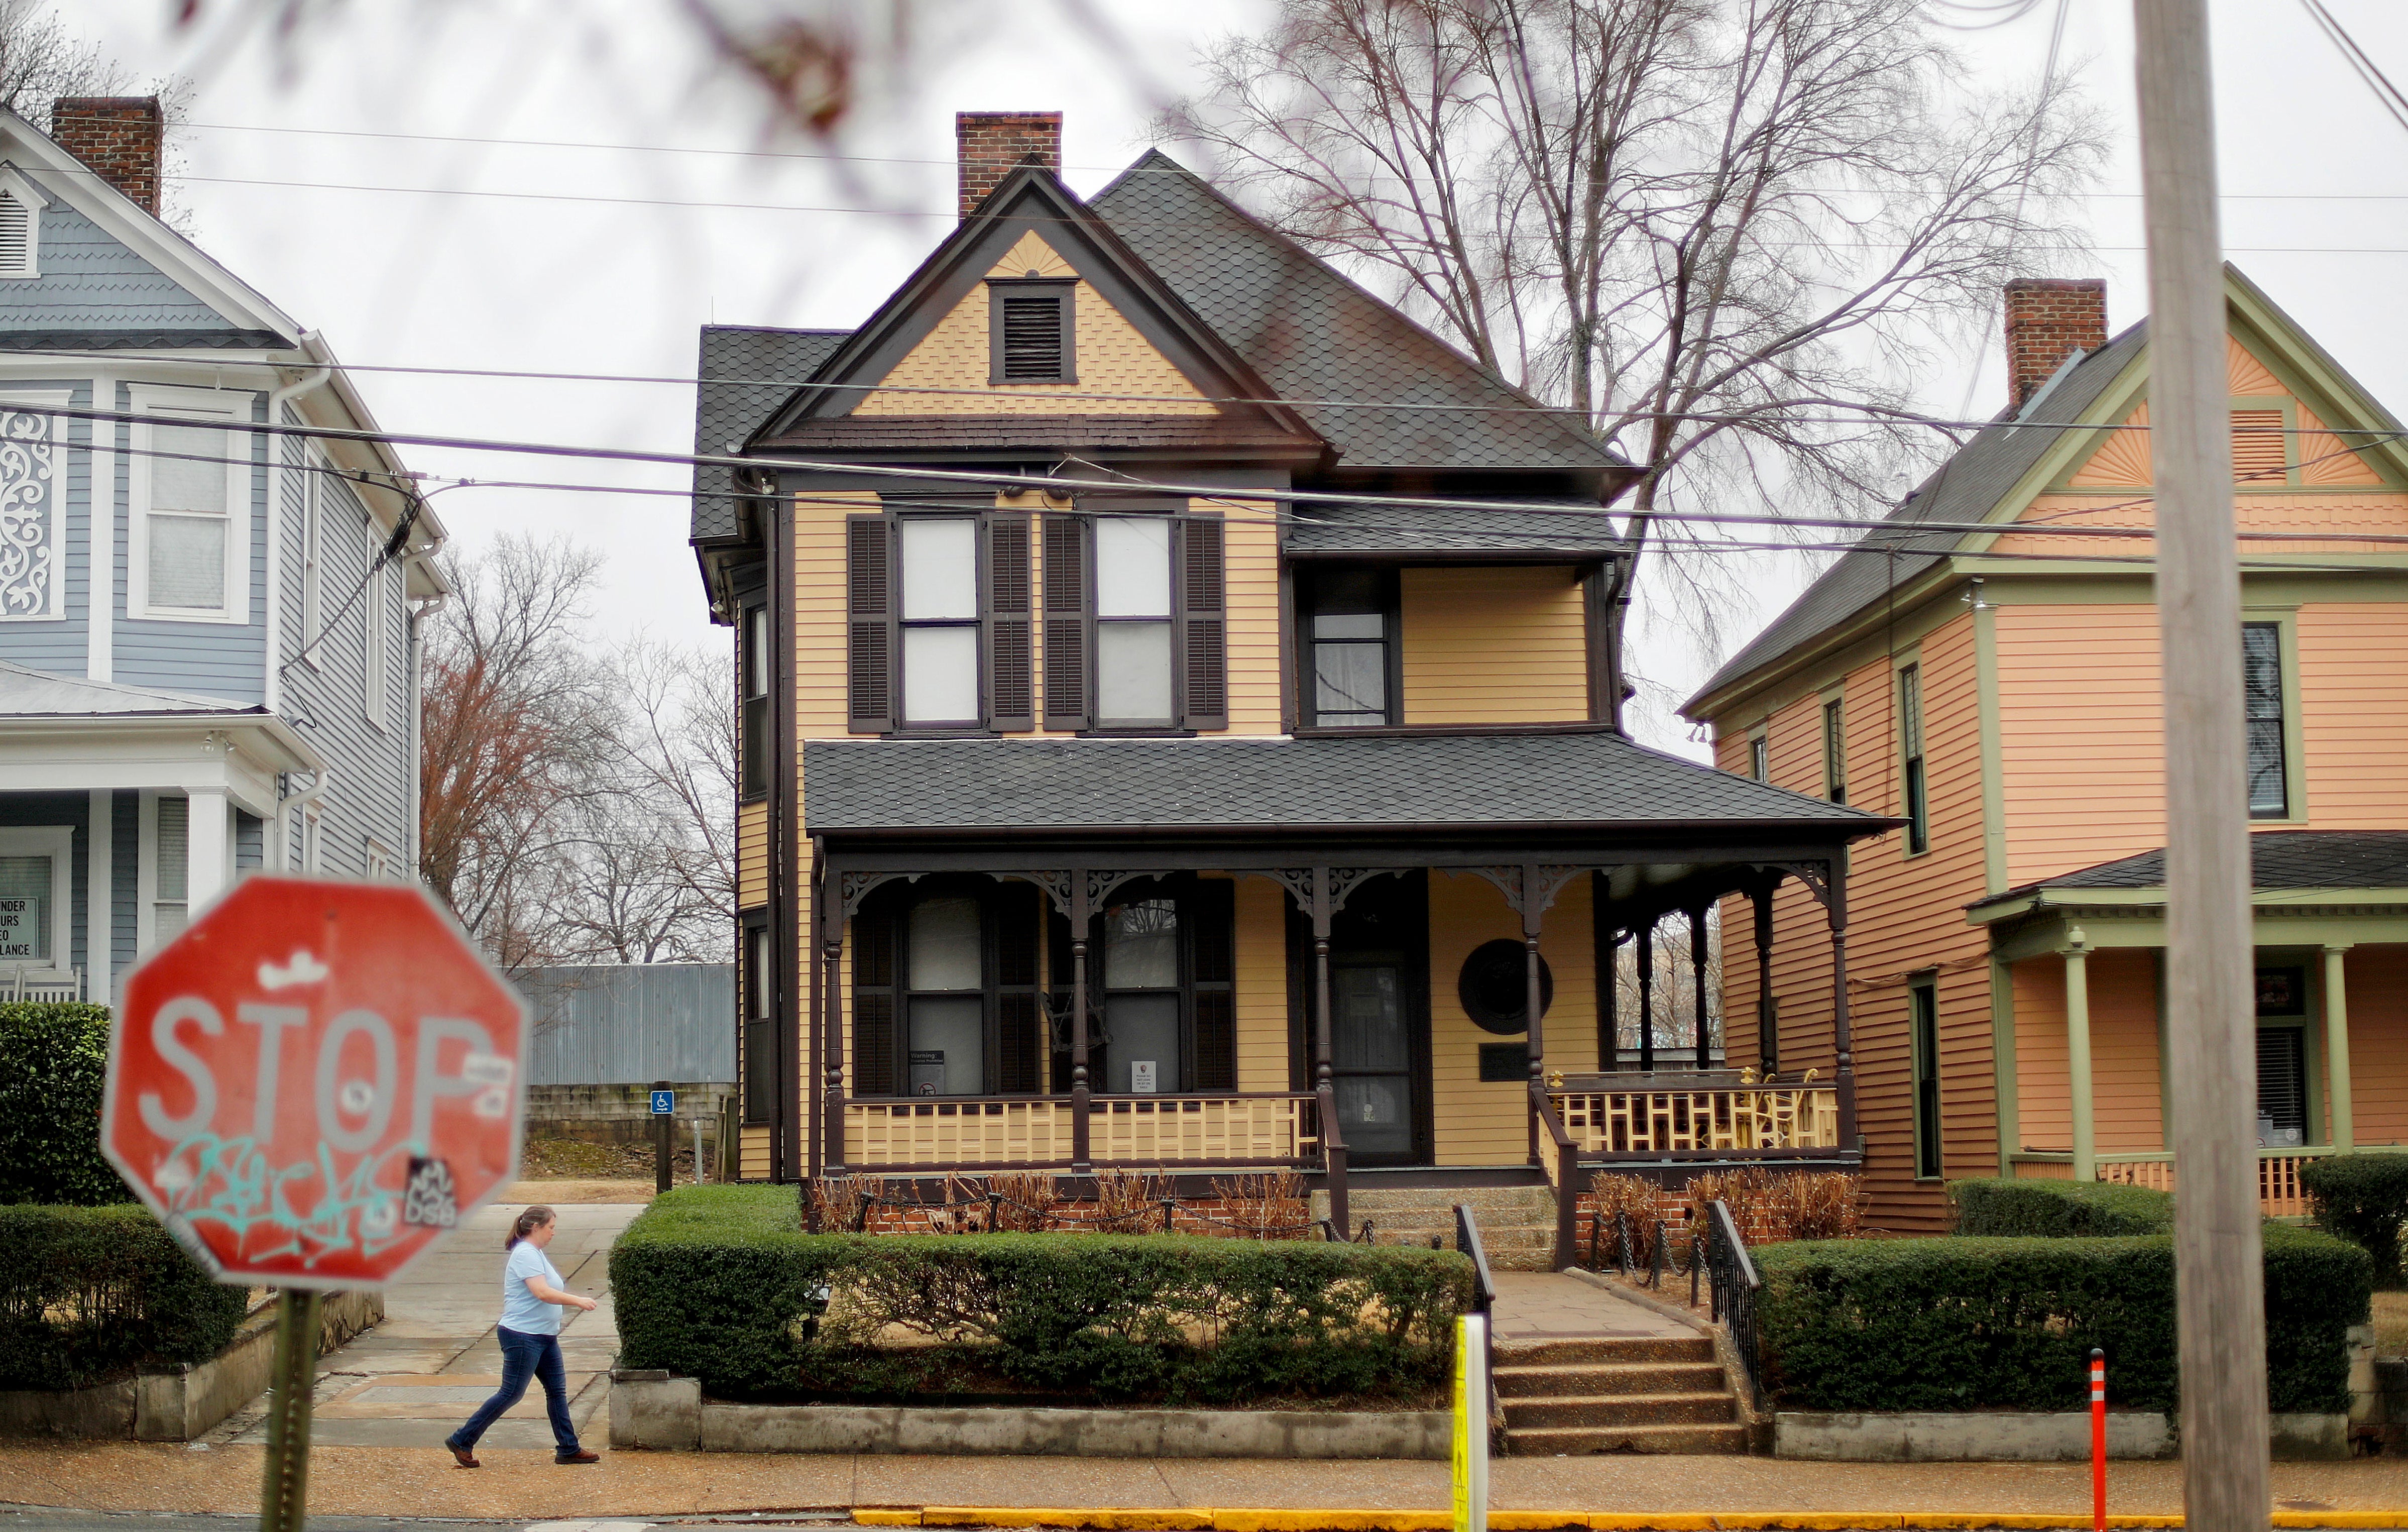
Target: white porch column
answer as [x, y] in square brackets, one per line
[2077, 1054]
[209, 833]
[100, 909]
[2345, 1131]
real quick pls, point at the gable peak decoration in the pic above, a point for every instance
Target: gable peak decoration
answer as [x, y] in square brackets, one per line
[119, 137]
[989, 145]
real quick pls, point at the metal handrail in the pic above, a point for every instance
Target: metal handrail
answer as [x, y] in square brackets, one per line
[1567, 1175]
[1484, 1290]
[1736, 1290]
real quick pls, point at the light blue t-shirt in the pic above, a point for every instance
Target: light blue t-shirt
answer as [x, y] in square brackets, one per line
[521, 1311]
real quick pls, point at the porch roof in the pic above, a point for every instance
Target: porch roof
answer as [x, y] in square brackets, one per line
[1341, 529]
[35, 693]
[2280, 861]
[1407, 784]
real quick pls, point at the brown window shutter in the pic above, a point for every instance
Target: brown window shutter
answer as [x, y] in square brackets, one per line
[873, 1001]
[1204, 623]
[1067, 700]
[870, 624]
[1011, 679]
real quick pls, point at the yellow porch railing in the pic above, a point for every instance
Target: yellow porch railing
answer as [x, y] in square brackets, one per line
[2279, 1192]
[985, 1133]
[1670, 1119]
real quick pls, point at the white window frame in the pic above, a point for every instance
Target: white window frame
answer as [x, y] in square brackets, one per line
[57, 842]
[55, 534]
[313, 552]
[313, 840]
[181, 405]
[376, 646]
[375, 861]
[28, 197]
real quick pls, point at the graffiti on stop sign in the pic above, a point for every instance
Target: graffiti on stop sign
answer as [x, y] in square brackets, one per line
[315, 1081]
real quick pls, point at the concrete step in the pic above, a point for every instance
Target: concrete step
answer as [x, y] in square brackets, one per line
[1583, 1440]
[1592, 1380]
[1711, 1408]
[1553, 1353]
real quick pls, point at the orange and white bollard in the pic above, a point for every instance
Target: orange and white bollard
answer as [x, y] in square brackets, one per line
[2098, 1439]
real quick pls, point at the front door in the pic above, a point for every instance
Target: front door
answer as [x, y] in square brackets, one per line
[1379, 1020]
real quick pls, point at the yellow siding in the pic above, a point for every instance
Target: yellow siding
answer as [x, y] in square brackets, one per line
[1110, 357]
[819, 610]
[1251, 542]
[1262, 985]
[1478, 1122]
[752, 1154]
[1494, 645]
[752, 855]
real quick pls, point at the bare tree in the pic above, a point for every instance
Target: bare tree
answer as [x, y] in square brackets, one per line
[1721, 230]
[40, 61]
[1673, 993]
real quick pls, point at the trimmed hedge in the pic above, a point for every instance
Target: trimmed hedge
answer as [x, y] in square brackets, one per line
[86, 1293]
[2362, 1198]
[53, 1061]
[1963, 1323]
[721, 1283]
[2058, 1209]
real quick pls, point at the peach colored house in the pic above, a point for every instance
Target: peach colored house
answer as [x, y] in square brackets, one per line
[1984, 666]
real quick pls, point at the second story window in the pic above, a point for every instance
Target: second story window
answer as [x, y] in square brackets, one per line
[1136, 626]
[375, 703]
[313, 498]
[1835, 753]
[1910, 744]
[1349, 631]
[191, 517]
[752, 667]
[937, 613]
[940, 628]
[1757, 766]
[1133, 647]
[2261, 692]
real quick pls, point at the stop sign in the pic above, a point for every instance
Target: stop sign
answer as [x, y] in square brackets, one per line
[315, 1082]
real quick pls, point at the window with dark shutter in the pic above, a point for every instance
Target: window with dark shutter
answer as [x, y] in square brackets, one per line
[1067, 705]
[1030, 331]
[870, 624]
[1011, 679]
[760, 1021]
[873, 1008]
[1212, 966]
[1203, 606]
[753, 661]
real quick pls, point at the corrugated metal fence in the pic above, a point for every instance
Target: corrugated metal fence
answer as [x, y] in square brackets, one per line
[633, 1024]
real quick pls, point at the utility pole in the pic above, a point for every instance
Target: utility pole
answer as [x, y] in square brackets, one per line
[2219, 1261]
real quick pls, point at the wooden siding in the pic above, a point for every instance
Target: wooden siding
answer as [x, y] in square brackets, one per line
[1108, 356]
[2081, 735]
[1906, 921]
[1261, 934]
[2377, 980]
[1494, 645]
[2043, 1105]
[752, 855]
[1250, 544]
[1486, 1122]
[2354, 713]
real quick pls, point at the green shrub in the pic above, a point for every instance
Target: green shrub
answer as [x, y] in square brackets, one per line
[721, 1283]
[2362, 1198]
[2058, 1209]
[52, 1061]
[1969, 1324]
[89, 1292]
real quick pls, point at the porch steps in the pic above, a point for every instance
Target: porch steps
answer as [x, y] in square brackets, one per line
[1517, 1224]
[1615, 1394]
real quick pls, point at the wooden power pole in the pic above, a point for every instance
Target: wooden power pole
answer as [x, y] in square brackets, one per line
[2212, 1061]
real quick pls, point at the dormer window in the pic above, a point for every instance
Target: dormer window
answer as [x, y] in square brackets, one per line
[1031, 330]
[17, 239]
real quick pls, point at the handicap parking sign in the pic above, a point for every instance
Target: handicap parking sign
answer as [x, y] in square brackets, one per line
[663, 1103]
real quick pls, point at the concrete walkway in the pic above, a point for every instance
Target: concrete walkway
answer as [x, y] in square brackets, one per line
[1533, 1306]
[413, 1379]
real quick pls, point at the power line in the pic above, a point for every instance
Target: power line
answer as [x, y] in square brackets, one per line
[2365, 67]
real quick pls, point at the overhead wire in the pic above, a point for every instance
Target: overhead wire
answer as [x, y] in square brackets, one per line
[2360, 63]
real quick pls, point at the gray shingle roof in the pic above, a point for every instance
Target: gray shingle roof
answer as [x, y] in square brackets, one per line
[1963, 489]
[1313, 334]
[1330, 529]
[853, 432]
[1277, 784]
[760, 368]
[2278, 859]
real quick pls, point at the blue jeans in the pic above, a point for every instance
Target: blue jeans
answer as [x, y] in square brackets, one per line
[523, 1354]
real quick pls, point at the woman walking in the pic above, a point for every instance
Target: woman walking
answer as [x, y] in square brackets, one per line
[532, 1299]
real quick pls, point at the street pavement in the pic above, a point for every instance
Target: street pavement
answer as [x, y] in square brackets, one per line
[412, 1380]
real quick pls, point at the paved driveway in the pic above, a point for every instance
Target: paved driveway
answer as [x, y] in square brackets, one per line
[414, 1377]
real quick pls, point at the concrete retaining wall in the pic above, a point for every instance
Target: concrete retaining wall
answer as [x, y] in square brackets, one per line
[621, 1114]
[2001, 1438]
[179, 1403]
[656, 1411]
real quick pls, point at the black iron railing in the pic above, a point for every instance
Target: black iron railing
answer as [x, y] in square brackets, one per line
[1484, 1290]
[1736, 1288]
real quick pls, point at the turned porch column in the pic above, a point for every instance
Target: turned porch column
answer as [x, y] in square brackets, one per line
[1768, 1026]
[1079, 1094]
[2344, 1129]
[1325, 1088]
[2077, 1054]
[1698, 980]
[1533, 993]
[1643, 939]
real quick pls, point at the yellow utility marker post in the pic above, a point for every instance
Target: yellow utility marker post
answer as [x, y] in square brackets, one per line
[1471, 1454]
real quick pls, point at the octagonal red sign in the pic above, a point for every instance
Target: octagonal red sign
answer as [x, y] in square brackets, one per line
[315, 1082]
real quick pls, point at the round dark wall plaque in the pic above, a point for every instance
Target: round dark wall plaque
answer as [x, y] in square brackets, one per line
[1494, 988]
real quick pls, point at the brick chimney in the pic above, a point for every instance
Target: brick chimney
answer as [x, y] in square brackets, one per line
[989, 145]
[119, 136]
[2048, 320]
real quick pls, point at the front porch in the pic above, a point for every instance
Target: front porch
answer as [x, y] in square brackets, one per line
[2078, 966]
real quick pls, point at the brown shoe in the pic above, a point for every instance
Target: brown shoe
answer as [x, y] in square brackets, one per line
[583, 1454]
[462, 1456]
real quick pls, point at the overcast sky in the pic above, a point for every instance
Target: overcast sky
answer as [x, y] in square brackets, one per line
[374, 176]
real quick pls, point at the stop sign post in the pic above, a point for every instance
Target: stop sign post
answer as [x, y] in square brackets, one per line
[311, 1087]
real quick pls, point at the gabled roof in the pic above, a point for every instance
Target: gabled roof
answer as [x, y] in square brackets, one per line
[1316, 337]
[2291, 859]
[1963, 489]
[744, 372]
[1410, 783]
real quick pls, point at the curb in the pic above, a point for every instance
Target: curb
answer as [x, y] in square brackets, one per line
[1282, 1520]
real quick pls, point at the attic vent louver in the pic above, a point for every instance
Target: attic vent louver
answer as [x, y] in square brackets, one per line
[1032, 339]
[15, 238]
